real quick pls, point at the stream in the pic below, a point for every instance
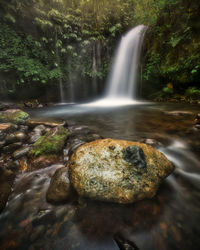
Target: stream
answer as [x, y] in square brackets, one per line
[168, 221]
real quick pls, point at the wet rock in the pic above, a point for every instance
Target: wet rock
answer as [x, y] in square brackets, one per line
[6, 127]
[21, 152]
[179, 113]
[151, 142]
[2, 135]
[15, 116]
[46, 122]
[15, 137]
[118, 171]
[44, 217]
[34, 137]
[60, 188]
[6, 181]
[37, 232]
[2, 143]
[40, 129]
[37, 132]
[197, 119]
[21, 136]
[42, 162]
[12, 147]
[51, 143]
[23, 128]
[10, 138]
[124, 244]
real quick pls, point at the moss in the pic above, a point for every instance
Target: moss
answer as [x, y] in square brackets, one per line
[17, 117]
[51, 143]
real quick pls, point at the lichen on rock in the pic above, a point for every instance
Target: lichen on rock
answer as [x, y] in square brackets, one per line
[118, 171]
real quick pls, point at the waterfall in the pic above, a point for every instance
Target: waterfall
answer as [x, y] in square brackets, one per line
[121, 86]
[122, 82]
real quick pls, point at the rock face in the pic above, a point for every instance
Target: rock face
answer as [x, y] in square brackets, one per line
[59, 189]
[118, 171]
[15, 116]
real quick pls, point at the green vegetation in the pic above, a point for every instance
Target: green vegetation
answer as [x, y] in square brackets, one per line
[47, 41]
[15, 116]
[51, 143]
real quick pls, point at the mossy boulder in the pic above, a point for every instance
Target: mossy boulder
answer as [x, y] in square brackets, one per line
[118, 171]
[15, 116]
[51, 143]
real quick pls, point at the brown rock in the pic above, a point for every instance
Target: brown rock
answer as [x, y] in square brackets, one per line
[46, 122]
[118, 171]
[42, 161]
[60, 188]
[5, 126]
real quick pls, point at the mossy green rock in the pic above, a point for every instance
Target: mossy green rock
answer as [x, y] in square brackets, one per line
[15, 116]
[51, 143]
[118, 171]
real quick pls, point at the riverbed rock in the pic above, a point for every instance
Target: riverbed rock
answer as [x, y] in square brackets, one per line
[118, 171]
[59, 189]
[15, 116]
[21, 152]
[42, 161]
[37, 132]
[51, 143]
[12, 147]
[49, 122]
[6, 181]
[179, 113]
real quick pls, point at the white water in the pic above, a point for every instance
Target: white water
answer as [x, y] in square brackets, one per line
[122, 82]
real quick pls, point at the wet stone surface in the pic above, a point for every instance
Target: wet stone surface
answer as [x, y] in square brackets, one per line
[135, 156]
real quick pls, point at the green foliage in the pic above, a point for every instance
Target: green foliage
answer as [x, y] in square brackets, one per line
[173, 47]
[45, 41]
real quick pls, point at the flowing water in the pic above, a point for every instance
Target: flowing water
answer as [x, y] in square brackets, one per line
[168, 221]
[122, 82]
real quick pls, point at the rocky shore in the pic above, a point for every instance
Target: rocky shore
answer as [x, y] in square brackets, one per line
[101, 169]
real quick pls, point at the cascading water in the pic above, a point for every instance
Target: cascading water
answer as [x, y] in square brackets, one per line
[122, 82]
[121, 87]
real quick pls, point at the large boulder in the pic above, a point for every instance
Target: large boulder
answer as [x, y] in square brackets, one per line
[118, 171]
[59, 189]
[15, 116]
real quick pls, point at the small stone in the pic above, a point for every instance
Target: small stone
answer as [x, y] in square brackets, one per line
[40, 129]
[21, 152]
[42, 161]
[34, 137]
[46, 122]
[179, 113]
[5, 126]
[60, 188]
[12, 147]
[21, 136]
